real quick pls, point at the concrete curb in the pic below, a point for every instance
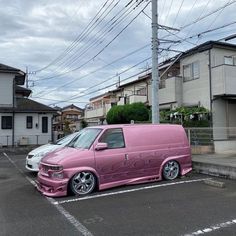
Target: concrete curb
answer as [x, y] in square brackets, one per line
[214, 183]
[227, 172]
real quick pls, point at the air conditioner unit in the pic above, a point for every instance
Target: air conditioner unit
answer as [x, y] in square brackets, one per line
[24, 141]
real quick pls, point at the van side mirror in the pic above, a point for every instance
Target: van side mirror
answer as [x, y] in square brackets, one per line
[101, 146]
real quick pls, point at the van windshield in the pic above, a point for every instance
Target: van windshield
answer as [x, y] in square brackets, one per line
[86, 138]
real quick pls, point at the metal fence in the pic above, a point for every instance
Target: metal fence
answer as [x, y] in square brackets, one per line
[206, 136]
[209, 140]
[204, 140]
[25, 140]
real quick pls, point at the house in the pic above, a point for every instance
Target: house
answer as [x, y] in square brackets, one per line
[22, 120]
[70, 114]
[95, 112]
[202, 76]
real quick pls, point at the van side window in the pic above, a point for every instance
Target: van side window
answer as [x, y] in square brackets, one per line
[114, 138]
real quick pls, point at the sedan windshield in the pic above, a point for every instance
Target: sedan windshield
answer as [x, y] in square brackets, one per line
[65, 140]
[86, 138]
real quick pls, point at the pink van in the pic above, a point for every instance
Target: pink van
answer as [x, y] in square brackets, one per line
[114, 155]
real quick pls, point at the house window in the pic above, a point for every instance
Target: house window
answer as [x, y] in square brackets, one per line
[29, 122]
[6, 122]
[44, 124]
[141, 91]
[162, 83]
[230, 60]
[191, 71]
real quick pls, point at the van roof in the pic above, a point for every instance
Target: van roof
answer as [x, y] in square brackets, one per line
[133, 125]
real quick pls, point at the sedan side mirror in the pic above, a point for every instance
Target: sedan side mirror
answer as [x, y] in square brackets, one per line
[101, 146]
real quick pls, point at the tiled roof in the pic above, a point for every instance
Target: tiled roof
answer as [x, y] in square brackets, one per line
[23, 91]
[72, 106]
[19, 75]
[7, 68]
[28, 105]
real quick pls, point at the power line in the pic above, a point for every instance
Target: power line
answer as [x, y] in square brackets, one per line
[109, 64]
[118, 74]
[74, 57]
[201, 14]
[167, 15]
[214, 20]
[178, 12]
[207, 15]
[99, 39]
[76, 40]
[92, 58]
[198, 20]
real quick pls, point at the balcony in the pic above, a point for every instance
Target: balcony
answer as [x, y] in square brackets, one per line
[137, 98]
[172, 91]
[224, 80]
[97, 112]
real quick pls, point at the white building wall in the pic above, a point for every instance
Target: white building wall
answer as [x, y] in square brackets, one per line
[35, 134]
[218, 54]
[6, 90]
[197, 91]
[22, 134]
[223, 80]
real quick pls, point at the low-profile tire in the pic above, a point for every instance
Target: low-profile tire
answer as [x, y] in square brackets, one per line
[82, 183]
[171, 170]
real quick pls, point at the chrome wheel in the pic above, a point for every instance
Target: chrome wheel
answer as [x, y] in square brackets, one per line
[82, 183]
[171, 170]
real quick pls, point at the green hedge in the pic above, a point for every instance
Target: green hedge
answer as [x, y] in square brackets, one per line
[123, 114]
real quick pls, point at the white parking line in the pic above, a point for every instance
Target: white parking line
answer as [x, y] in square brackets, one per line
[128, 191]
[212, 228]
[81, 228]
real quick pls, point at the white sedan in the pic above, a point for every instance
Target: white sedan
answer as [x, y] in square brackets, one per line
[34, 157]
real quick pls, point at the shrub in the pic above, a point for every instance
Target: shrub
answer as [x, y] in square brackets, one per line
[125, 113]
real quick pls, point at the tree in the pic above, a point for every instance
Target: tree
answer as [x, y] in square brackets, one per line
[83, 124]
[123, 114]
[66, 129]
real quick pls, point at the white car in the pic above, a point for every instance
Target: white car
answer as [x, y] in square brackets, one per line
[34, 157]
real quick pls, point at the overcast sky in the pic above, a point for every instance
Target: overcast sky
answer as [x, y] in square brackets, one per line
[76, 49]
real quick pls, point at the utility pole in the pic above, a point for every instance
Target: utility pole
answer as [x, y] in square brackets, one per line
[27, 74]
[155, 77]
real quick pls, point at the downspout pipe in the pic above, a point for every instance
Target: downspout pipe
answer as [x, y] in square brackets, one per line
[13, 114]
[210, 88]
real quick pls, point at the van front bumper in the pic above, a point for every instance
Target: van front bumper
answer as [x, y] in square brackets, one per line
[52, 187]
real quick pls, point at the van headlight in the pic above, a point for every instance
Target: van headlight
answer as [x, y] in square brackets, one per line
[57, 175]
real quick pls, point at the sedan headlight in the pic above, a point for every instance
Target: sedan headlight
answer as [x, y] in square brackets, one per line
[40, 154]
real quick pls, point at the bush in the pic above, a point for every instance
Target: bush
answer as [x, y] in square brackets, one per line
[125, 113]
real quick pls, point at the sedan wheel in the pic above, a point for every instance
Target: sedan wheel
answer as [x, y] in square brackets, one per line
[170, 170]
[82, 183]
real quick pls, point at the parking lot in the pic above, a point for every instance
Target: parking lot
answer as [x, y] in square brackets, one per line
[186, 206]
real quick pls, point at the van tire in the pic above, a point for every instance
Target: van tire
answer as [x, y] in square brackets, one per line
[171, 170]
[82, 183]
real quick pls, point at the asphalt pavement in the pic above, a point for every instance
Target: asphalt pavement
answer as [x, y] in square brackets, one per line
[186, 206]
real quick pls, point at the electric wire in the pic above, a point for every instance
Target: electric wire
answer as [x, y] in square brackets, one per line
[92, 58]
[98, 39]
[69, 48]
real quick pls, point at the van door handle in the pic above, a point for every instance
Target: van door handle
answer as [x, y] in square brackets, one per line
[126, 157]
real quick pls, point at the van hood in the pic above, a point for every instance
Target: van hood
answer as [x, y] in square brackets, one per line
[64, 154]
